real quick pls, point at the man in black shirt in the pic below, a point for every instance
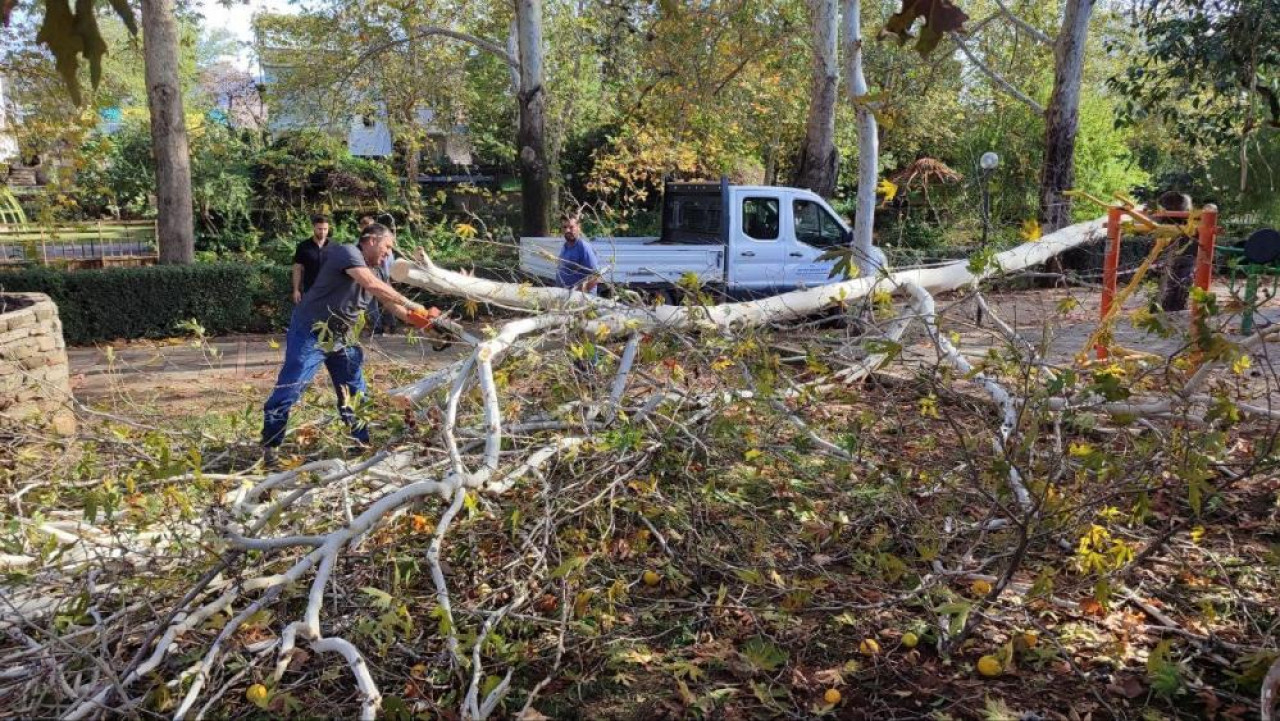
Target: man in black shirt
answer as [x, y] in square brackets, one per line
[308, 256]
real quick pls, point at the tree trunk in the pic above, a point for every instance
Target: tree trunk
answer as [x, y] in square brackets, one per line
[868, 139]
[819, 162]
[614, 317]
[174, 231]
[535, 176]
[1063, 115]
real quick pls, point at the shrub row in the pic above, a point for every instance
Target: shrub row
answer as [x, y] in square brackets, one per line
[125, 303]
[114, 303]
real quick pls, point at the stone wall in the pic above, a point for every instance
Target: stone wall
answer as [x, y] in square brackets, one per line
[34, 383]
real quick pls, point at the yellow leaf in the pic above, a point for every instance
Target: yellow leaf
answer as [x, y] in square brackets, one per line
[887, 188]
[929, 406]
[1241, 364]
[466, 230]
[257, 693]
[1080, 449]
[1031, 231]
[273, 344]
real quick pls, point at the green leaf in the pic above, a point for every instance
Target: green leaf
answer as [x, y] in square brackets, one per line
[93, 46]
[959, 613]
[570, 566]
[58, 31]
[763, 655]
[1163, 671]
[381, 599]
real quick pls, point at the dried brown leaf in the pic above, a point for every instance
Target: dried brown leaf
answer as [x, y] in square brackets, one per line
[940, 17]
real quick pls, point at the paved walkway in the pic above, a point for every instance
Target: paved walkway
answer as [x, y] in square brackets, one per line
[222, 374]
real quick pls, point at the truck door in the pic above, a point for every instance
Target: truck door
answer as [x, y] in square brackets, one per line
[757, 251]
[813, 230]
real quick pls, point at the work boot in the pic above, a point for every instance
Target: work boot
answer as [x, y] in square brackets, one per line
[270, 459]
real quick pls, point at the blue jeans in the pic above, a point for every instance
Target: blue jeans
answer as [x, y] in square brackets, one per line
[302, 358]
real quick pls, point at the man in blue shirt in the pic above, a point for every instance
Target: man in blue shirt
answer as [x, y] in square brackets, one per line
[321, 331]
[578, 269]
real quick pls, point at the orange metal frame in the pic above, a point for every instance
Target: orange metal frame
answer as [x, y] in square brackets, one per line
[1206, 234]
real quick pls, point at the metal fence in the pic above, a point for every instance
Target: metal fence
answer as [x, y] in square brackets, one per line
[96, 244]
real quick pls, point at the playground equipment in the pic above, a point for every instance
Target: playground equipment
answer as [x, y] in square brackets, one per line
[10, 211]
[1201, 225]
[1258, 257]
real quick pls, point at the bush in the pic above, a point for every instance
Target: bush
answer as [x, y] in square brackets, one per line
[104, 305]
[124, 303]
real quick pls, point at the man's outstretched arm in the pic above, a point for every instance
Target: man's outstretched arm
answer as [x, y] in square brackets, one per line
[400, 306]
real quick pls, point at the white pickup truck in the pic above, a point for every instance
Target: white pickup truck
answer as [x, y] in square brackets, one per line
[742, 239]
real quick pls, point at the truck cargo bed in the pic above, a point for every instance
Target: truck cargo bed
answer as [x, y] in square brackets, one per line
[630, 261]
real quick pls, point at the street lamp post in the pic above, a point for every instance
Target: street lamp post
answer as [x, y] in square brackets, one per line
[988, 163]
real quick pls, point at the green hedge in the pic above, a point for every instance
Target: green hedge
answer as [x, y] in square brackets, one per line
[115, 303]
[103, 305]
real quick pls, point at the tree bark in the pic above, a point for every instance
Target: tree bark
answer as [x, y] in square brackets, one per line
[174, 231]
[868, 139]
[819, 161]
[1062, 116]
[613, 317]
[535, 176]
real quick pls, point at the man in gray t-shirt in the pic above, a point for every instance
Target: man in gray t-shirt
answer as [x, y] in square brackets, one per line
[321, 332]
[335, 299]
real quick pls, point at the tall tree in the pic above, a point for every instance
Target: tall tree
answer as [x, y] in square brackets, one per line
[175, 228]
[531, 141]
[819, 161]
[868, 137]
[70, 34]
[1062, 116]
[393, 64]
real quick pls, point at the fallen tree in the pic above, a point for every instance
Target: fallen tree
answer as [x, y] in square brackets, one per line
[504, 432]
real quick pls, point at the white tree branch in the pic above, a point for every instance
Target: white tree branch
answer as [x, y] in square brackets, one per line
[1026, 27]
[996, 77]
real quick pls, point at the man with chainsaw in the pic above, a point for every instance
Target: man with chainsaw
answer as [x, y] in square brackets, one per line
[322, 330]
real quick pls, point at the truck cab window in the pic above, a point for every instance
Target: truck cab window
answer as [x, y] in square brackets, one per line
[760, 218]
[815, 226]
